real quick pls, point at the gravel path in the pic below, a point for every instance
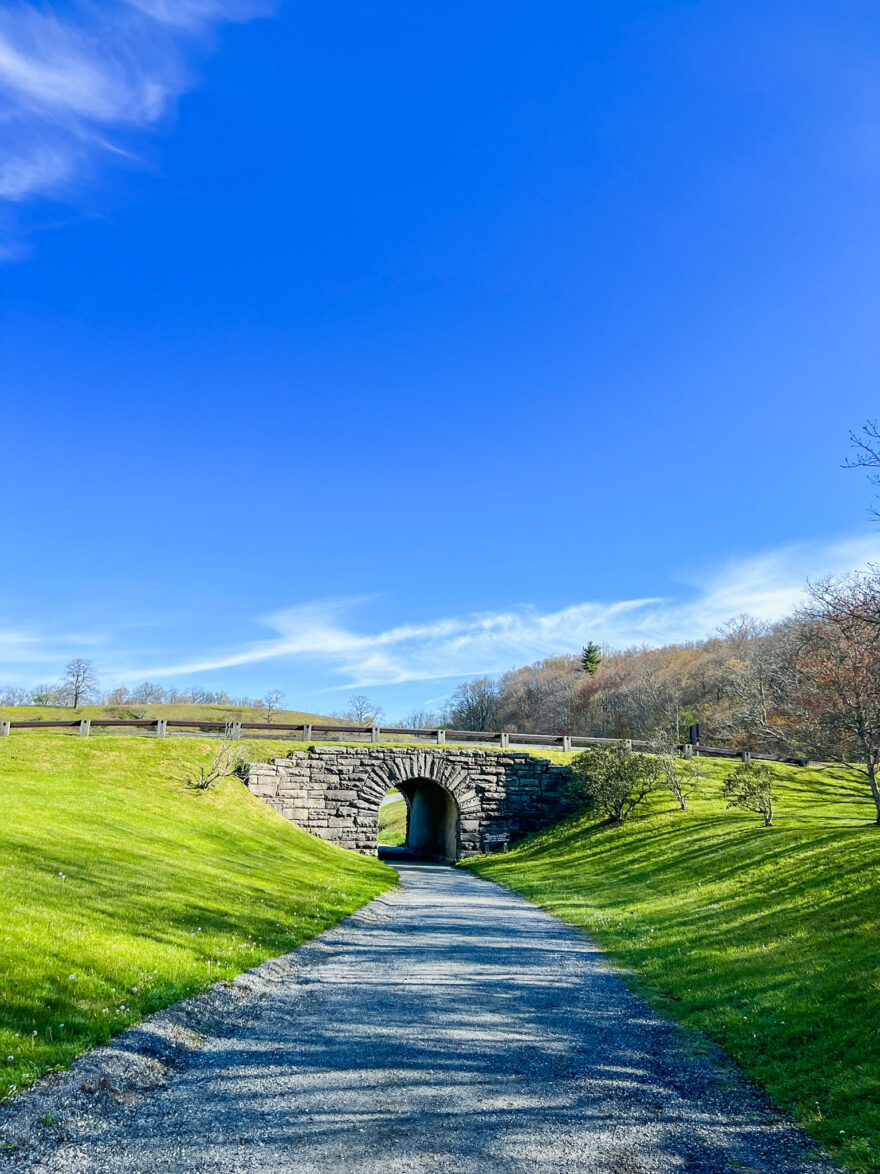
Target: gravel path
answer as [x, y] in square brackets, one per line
[450, 1026]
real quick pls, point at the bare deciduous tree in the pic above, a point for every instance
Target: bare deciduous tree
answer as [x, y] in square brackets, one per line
[79, 682]
[473, 705]
[148, 693]
[867, 446]
[856, 594]
[417, 719]
[838, 658]
[272, 701]
[538, 698]
[679, 776]
[363, 711]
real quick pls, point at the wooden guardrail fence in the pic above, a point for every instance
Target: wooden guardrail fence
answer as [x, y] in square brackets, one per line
[312, 732]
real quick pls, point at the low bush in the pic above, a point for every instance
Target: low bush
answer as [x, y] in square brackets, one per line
[615, 779]
[750, 788]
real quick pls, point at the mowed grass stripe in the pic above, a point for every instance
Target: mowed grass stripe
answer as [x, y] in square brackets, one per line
[766, 940]
[122, 891]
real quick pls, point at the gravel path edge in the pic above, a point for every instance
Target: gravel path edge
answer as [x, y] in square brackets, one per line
[146, 1056]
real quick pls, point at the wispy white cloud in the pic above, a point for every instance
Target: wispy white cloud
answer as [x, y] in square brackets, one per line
[483, 642]
[22, 651]
[322, 646]
[198, 13]
[767, 586]
[71, 85]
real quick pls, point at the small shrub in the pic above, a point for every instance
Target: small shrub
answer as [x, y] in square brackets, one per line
[615, 779]
[750, 787]
[680, 776]
[227, 761]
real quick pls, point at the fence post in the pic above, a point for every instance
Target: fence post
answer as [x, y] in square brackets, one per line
[161, 727]
[85, 727]
[307, 732]
[687, 750]
[441, 737]
[566, 744]
[505, 741]
[628, 743]
[745, 755]
[4, 729]
[374, 733]
[233, 730]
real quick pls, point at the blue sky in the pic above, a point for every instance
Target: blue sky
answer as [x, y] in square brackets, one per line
[361, 348]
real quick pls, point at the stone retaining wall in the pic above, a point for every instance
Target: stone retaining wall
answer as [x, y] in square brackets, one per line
[335, 791]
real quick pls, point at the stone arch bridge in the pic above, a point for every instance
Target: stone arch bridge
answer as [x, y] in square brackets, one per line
[460, 802]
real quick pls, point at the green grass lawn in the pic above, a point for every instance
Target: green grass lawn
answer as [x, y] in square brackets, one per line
[766, 940]
[392, 823]
[122, 891]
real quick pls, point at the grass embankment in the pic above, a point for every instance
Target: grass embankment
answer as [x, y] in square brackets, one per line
[193, 713]
[392, 823]
[122, 891]
[766, 940]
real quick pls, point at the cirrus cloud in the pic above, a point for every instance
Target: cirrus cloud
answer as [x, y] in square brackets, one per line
[75, 79]
[767, 586]
[318, 646]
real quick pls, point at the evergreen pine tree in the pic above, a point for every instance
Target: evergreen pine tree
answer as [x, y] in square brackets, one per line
[591, 658]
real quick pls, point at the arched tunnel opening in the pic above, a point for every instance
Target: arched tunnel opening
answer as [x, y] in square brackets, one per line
[431, 822]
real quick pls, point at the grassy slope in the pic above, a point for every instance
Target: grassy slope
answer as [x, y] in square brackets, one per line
[768, 941]
[121, 891]
[213, 713]
[392, 823]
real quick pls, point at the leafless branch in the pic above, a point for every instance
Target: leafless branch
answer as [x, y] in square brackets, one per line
[228, 760]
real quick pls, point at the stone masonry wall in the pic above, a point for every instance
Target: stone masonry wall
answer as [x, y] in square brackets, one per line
[335, 791]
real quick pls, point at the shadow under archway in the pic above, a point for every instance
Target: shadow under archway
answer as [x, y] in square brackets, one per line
[432, 816]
